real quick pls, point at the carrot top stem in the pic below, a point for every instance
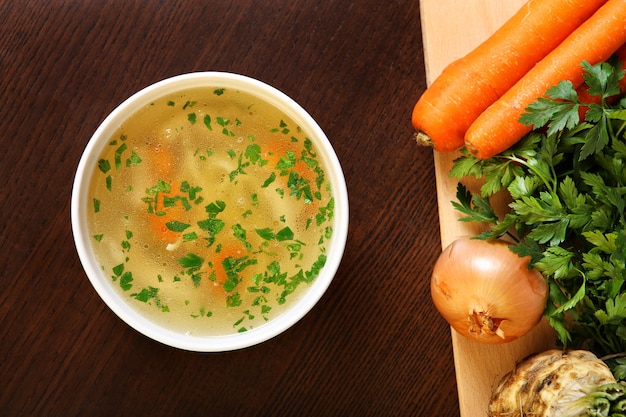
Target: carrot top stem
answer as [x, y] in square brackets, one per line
[423, 139]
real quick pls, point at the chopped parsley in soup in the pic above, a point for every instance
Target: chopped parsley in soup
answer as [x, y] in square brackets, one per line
[210, 211]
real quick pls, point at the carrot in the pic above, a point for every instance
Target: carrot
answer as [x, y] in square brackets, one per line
[217, 272]
[158, 223]
[163, 161]
[498, 127]
[277, 153]
[162, 158]
[276, 149]
[471, 84]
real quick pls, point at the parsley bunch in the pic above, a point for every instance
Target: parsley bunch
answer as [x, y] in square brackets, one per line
[567, 185]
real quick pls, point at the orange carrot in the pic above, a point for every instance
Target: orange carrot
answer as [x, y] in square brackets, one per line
[162, 158]
[471, 84]
[498, 127]
[276, 148]
[158, 223]
[217, 272]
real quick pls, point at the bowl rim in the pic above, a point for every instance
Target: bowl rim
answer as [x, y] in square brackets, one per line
[100, 282]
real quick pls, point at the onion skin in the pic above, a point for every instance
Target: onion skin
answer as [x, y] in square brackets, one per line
[486, 292]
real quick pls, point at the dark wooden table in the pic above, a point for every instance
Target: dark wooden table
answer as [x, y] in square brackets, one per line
[373, 346]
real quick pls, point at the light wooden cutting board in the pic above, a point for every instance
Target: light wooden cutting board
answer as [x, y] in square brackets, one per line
[450, 29]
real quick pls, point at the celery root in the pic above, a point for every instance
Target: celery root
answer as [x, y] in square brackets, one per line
[556, 383]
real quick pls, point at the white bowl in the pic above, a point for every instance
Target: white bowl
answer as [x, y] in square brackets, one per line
[102, 283]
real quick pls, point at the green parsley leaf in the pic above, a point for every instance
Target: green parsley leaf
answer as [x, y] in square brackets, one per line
[240, 234]
[207, 122]
[269, 180]
[176, 226]
[104, 165]
[284, 234]
[253, 153]
[126, 281]
[266, 234]
[191, 260]
[212, 226]
[215, 208]
[118, 155]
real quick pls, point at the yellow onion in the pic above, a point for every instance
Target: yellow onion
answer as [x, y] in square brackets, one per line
[486, 292]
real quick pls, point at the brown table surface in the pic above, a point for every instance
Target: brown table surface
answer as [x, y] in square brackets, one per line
[373, 346]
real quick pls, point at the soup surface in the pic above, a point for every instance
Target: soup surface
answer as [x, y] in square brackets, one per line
[210, 211]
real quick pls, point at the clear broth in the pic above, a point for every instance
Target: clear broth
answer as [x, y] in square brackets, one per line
[210, 211]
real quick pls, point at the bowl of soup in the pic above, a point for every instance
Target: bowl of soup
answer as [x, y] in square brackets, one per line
[210, 211]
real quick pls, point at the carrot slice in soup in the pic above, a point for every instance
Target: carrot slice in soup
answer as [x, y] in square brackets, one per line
[163, 216]
[277, 154]
[217, 273]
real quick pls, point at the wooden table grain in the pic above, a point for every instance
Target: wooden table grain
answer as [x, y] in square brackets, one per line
[373, 346]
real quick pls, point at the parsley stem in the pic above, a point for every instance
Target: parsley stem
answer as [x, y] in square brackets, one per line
[549, 183]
